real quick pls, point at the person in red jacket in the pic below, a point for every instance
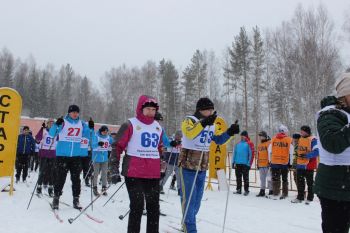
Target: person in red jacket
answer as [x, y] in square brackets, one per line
[141, 138]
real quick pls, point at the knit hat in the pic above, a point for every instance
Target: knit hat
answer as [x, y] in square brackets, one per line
[204, 104]
[151, 103]
[296, 136]
[263, 134]
[306, 129]
[283, 129]
[73, 108]
[103, 128]
[342, 85]
[25, 128]
[244, 133]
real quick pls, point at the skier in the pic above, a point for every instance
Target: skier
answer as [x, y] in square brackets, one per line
[34, 158]
[307, 152]
[263, 162]
[296, 137]
[25, 147]
[280, 157]
[198, 131]
[171, 158]
[100, 145]
[113, 163]
[332, 183]
[141, 137]
[70, 131]
[47, 154]
[241, 163]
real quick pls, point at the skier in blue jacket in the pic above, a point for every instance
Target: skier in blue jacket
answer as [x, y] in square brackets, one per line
[71, 131]
[100, 145]
[241, 162]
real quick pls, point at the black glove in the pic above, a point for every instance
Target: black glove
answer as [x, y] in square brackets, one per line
[289, 166]
[91, 123]
[234, 129]
[173, 143]
[43, 125]
[100, 143]
[59, 121]
[209, 120]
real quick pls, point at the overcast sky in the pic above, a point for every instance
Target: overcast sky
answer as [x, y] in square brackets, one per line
[94, 36]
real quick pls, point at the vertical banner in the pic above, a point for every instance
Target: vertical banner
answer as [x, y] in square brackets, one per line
[217, 153]
[10, 116]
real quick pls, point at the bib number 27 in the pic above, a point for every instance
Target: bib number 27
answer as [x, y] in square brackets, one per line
[149, 140]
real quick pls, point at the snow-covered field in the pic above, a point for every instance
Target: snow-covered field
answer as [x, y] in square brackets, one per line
[245, 214]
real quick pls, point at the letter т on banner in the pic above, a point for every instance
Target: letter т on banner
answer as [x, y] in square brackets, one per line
[10, 116]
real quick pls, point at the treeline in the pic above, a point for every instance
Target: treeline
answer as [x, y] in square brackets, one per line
[263, 79]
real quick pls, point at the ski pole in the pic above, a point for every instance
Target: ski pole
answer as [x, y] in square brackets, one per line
[114, 193]
[36, 184]
[194, 182]
[121, 217]
[171, 171]
[71, 220]
[227, 195]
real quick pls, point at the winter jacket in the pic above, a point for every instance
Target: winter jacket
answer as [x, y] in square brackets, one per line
[242, 153]
[165, 139]
[312, 156]
[25, 144]
[281, 151]
[70, 149]
[148, 168]
[191, 129]
[333, 181]
[40, 137]
[98, 155]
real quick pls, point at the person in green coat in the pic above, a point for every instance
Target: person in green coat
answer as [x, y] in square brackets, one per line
[332, 183]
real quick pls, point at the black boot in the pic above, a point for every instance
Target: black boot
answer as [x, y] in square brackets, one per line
[38, 189]
[96, 193]
[261, 193]
[104, 191]
[76, 204]
[271, 192]
[55, 202]
[50, 191]
[87, 183]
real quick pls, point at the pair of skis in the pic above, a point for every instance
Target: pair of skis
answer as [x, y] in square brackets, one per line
[55, 212]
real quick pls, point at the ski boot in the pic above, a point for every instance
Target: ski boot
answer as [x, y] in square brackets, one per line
[55, 202]
[38, 189]
[104, 191]
[76, 204]
[50, 191]
[261, 193]
[94, 189]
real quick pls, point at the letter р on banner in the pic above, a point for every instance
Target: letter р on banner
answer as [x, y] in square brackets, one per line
[217, 153]
[10, 116]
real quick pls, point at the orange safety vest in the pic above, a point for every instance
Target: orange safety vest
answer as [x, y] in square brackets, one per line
[280, 150]
[304, 147]
[263, 156]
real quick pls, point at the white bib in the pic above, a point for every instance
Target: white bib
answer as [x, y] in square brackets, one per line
[144, 140]
[71, 132]
[105, 146]
[202, 141]
[328, 158]
[84, 143]
[48, 142]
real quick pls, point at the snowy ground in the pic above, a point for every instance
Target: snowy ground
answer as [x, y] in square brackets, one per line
[245, 214]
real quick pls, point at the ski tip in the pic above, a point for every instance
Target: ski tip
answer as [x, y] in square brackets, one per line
[70, 220]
